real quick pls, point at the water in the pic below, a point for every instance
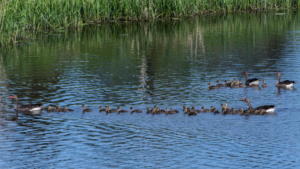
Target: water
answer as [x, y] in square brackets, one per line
[140, 65]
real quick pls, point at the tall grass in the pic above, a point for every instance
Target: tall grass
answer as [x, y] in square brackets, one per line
[18, 18]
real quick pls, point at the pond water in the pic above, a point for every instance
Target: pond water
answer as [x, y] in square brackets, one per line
[164, 63]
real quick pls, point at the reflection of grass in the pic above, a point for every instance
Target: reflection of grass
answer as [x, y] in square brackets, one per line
[160, 47]
[210, 33]
[19, 16]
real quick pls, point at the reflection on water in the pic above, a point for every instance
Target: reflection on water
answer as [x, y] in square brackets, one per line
[166, 64]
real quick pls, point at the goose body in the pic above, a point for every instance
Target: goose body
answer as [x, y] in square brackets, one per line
[261, 109]
[30, 109]
[85, 109]
[135, 110]
[266, 108]
[102, 109]
[284, 84]
[211, 87]
[119, 110]
[252, 81]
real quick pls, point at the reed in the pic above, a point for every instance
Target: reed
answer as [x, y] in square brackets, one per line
[19, 18]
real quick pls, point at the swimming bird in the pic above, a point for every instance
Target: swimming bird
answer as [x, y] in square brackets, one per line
[219, 84]
[50, 108]
[101, 109]
[154, 110]
[250, 82]
[211, 87]
[85, 108]
[119, 110]
[110, 110]
[30, 109]
[225, 109]
[235, 111]
[204, 110]
[33, 109]
[66, 109]
[235, 84]
[212, 109]
[171, 111]
[264, 108]
[55, 108]
[191, 111]
[135, 110]
[264, 84]
[284, 84]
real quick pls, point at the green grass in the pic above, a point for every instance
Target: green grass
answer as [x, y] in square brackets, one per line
[20, 18]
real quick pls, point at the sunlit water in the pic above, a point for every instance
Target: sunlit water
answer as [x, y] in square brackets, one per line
[140, 65]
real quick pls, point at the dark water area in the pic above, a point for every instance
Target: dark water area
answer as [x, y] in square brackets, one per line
[167, 64]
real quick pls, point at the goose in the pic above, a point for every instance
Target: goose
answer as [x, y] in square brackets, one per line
[235, 84]
[219, 84]
[85, 108]
[135, 110]
[235, 111]
[154, 110]
[59, 109]
[119, 110]
[250, 82]
[50, 108]
[172, 111]
[211, 87]
[212, 109]
[284, 84]
[264, 84]
[30, 109]
[184, 108]
[264, 108]
[225, 109]
[110, 110]
[66, 109]
[149, 110]
[101, 109]
[191, 111]
[227, 83]
[204, 110]
[241, 111]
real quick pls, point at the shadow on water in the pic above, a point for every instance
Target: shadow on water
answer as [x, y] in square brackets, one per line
[141, 64]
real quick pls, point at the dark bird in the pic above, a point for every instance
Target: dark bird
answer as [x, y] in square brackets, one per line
[211, 87]
[135, 110]
[30, 109]
[119, 110]
[250, 82]
[85, 109]
[284, 84]
[264, 108]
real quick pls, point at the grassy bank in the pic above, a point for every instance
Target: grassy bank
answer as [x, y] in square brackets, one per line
[19, 18]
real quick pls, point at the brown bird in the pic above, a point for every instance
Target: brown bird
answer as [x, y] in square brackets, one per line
[135, 110]
[85, 109]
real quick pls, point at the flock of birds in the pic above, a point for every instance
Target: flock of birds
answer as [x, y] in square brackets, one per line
[252, 82]
[225, 109]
